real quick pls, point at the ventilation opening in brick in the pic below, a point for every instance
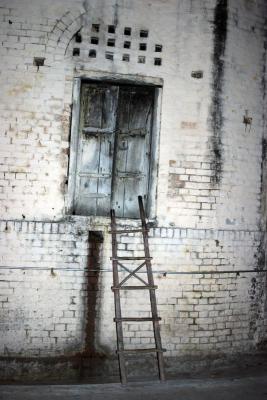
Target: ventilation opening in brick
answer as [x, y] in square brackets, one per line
[76, 52]
[109, 56]
[141, 59]
[144, 33]
[92, 53]
[78, 37]
[126, 57]
[127, 45]
[95, 27]
[38, 61]
[158, 48]
[111, 29]
[111, 42]
[127, 31]
[142, 46]
[94, 40]
[95, 254]
[157, 61]
[197, 74]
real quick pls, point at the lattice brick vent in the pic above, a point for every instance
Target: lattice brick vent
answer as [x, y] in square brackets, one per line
[117, 43]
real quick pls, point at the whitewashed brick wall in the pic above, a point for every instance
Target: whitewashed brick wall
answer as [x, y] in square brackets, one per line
[202, 225]
[44, 283]
[43, 288]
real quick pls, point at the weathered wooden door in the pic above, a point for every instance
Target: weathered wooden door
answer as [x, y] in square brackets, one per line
[95, 149]
[132, 152]
[113, 149]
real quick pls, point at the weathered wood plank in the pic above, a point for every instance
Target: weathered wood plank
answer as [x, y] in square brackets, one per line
[131, 173]
[95, 152]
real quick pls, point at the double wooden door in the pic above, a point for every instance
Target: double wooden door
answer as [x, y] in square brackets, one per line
[114, 146]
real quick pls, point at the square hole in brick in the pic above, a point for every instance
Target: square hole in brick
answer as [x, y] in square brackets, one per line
[127, 45]
[38, 61]
[92, 53]
[142, 46]
[95, 27]
[76, 52]
[144, 33]
[157, 61]
[111, 29]
[109, 56]
[126, 57]
[78, 37]
[94, 40]
[158, 48]
[141, 59]
[127, 31]
[111, 42]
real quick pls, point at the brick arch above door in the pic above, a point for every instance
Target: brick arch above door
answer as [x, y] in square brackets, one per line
[63, 32]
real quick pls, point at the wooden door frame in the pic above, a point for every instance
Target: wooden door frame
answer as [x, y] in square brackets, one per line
[116, 79]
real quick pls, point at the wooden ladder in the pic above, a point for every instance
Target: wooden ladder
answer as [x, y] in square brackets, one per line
[146, 285]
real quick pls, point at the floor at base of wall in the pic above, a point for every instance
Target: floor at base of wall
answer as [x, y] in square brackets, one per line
[252, 388]
[76, 370]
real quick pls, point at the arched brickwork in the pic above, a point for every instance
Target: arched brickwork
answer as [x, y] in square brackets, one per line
[62, 33]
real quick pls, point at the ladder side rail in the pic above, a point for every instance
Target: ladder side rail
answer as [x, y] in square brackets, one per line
[117, 302]
[152, 292]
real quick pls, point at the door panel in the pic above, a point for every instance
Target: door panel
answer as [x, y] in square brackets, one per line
[131, 166]
[98, 104]
[95, 152]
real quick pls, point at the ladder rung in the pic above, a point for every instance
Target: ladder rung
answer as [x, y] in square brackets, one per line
[136, 319]
[128, 231]
[141, 351]
[134, 288]
[130, 258]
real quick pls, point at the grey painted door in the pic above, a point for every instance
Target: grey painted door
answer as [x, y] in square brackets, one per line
[95, 149]
[113, 149]
[132, 152]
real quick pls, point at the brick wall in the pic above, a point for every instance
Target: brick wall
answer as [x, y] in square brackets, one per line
[210, 204]
[204, 304]
[42, 288]
[36, 141]
[204, 308]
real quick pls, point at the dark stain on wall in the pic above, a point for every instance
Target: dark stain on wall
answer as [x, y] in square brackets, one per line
[256, 294]
[260, 255]
[94, 361]
[216, 117]
[258, 305]
[263, 141]
[116, 18]
[263, 161]
[94, 261]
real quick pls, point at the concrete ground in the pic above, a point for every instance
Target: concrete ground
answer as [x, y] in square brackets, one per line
[240, 388]
[245, 379]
